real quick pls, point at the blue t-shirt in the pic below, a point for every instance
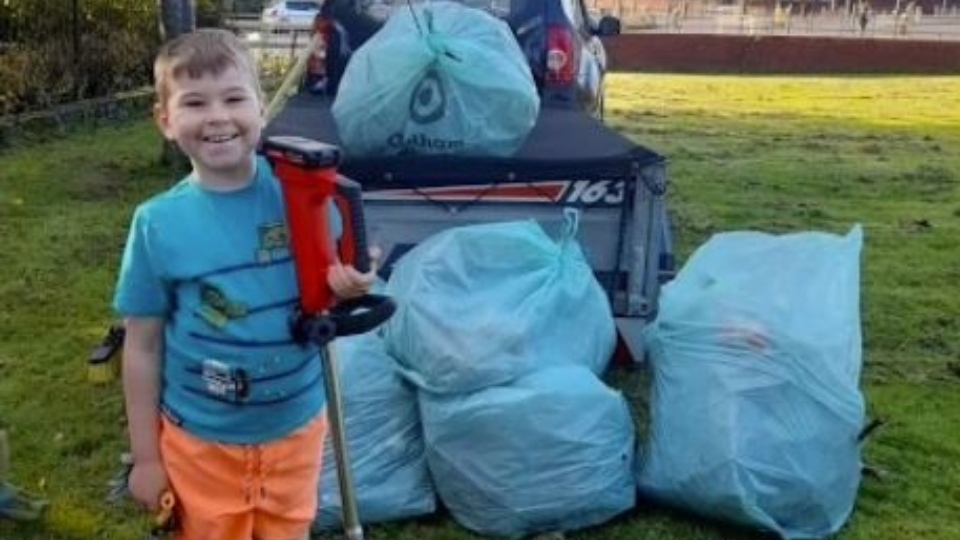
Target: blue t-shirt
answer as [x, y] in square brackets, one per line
[217, 267]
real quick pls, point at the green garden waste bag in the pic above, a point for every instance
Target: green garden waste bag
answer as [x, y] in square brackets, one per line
[756, 410]
[438, 78]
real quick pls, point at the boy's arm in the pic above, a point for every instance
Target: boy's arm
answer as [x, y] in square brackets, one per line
[142, 360]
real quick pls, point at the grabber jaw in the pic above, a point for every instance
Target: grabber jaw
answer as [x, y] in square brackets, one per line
[16, 504]
[164, 523]
[4, 455]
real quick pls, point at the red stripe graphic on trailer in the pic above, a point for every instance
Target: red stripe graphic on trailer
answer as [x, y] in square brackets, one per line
[515, 192]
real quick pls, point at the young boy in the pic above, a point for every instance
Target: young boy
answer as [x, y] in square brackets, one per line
[224, 409]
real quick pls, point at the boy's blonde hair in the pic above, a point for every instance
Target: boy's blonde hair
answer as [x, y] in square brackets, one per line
[204, 51]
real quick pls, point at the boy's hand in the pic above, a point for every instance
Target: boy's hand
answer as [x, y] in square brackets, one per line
[346, 282]
[147, 482]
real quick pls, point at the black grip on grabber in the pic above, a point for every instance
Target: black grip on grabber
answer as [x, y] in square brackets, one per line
[352, 194]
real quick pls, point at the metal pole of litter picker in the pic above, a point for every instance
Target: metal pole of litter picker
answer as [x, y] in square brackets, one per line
[351, 520]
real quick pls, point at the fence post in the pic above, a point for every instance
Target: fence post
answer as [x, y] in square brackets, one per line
[176, 17]
[75, 44]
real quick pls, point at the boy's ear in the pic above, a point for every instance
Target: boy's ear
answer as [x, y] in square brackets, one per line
[162, 117]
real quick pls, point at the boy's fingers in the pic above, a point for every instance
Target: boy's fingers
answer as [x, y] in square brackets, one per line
[374, 253]
[346, 280]
[338, 277]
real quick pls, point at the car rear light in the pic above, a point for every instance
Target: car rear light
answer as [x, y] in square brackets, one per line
[560, 55]
[317, 64]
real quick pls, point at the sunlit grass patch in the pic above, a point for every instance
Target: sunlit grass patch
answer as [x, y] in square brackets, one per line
[776, 154]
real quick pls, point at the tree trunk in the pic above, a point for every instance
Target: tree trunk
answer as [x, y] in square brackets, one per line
[176, 17]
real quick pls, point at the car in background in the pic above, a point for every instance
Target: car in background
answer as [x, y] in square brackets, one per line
[560, 39]
[291, 13]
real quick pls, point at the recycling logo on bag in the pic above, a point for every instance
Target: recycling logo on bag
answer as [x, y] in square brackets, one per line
[428, 101]
[428, 105]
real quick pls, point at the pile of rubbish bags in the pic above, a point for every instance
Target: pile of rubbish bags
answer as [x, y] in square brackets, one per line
[483, 391]
[498, 411]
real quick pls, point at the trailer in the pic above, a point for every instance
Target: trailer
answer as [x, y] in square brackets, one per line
[569, 160]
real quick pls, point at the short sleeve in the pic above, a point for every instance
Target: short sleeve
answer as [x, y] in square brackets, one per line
[141, 290]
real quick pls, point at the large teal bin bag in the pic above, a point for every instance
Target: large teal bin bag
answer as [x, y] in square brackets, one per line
[481, 305]
[438, 78]
[553, 451]
[384, 440]
[755, 406]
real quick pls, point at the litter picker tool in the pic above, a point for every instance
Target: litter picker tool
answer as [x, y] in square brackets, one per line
[307, 171]
[15, 503]
[102, 367]
[164, 522]
[293, 77]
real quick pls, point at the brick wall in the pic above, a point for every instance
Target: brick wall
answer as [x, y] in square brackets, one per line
[628, 6]
[711, 53]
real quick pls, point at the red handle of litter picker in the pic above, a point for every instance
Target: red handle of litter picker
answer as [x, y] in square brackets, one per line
[307, 171]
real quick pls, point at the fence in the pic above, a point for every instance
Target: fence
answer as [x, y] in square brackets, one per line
[781, 54]
[906, 20]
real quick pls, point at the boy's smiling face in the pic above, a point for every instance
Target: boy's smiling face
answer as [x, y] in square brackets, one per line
[216, 120]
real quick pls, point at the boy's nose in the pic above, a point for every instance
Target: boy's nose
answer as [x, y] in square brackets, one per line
[217, 112]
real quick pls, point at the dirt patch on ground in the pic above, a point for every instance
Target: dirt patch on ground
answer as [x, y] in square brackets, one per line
[706, 53]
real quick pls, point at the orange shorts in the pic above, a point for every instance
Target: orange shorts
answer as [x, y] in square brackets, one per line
[237, 492]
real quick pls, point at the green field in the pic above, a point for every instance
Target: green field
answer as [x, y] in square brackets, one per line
[775, 154]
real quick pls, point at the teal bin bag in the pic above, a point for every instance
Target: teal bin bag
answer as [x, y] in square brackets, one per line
[438, 78]
[553, 451]
[756, 408]
[481, 305]
[384, 440]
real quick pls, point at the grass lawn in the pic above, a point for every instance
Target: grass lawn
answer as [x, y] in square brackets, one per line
[768, 153]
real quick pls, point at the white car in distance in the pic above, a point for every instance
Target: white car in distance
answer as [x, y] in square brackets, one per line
[290, 14]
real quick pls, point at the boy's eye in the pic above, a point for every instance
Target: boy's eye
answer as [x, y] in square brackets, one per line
[236, 99]
[193, 103]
